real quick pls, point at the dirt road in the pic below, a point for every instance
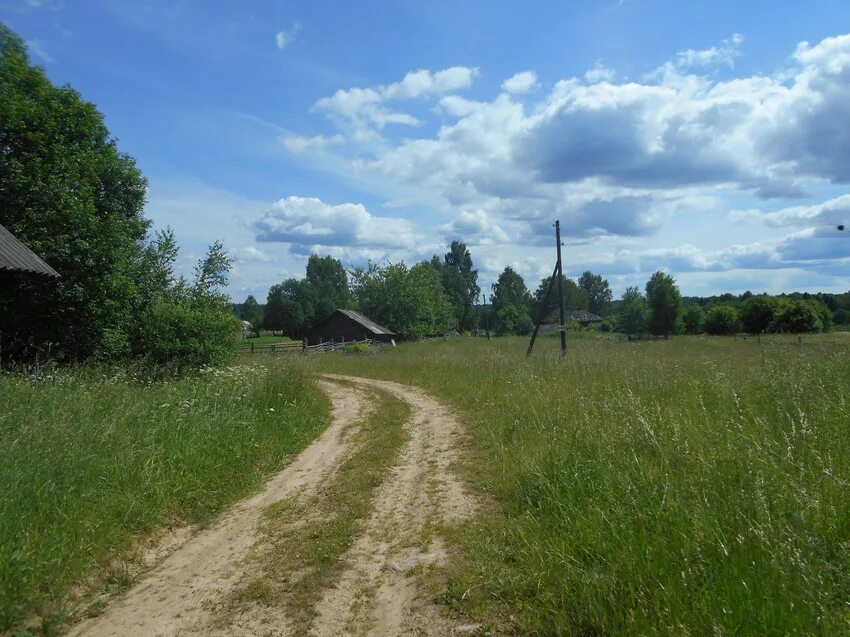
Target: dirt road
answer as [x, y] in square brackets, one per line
[377, 593]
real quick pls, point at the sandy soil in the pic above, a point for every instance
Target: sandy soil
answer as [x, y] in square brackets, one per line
[377, 594]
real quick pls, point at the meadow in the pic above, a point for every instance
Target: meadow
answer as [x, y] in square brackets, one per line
[693, 486]
[92, 461]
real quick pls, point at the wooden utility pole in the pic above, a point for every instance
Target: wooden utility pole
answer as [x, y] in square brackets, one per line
[486, 318]
[560, 269]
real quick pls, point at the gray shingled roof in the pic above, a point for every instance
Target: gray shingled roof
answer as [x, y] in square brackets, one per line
[366, 322]
[14, 255]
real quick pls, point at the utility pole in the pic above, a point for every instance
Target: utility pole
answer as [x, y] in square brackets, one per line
[486, 318]
[561, 288]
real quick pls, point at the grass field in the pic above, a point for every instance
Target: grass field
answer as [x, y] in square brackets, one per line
[91, 462]
[693, 486]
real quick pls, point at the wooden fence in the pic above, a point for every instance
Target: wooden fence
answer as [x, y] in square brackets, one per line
[275, 348]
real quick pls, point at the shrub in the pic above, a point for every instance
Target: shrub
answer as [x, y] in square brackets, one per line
[722, 320]
[757, 313]
[693, 319]
[605, 326]
[356, 348]
[796, 316]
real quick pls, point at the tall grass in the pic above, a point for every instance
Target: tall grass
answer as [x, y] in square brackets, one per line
[690, 487]
[90, 461]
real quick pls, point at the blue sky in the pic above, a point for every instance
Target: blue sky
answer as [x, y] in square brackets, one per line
[707, 138]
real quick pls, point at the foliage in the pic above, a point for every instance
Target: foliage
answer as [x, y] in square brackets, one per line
[596, 291]
[692, 320]
[511, 319]
[460, 282]
[92, 459]
[295, 305]
[685, 487]
[69, 194]
[409, 301]
[633, 312]
[510, 300]
[665, 305]
[574, 297]
[722, 319]
[605, 326]
[757, 313]
[796, 316]
[252, 313]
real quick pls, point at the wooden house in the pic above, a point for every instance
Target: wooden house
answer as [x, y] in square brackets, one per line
[347, 325]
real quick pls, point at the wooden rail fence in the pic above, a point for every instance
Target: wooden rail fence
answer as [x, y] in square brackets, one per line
[274, 348]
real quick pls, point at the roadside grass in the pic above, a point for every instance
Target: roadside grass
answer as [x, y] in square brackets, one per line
[686, 487]
[304, 542]
[92, 461]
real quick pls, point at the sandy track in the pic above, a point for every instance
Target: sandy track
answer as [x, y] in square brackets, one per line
[175, 595]
[376, 594]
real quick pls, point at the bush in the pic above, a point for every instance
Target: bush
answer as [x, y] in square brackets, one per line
[722, 320]
[693, 319]
[604, 326]
[796, 316]
[757, 313]
[356, 348]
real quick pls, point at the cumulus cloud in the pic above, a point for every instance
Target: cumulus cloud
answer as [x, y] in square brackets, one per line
[521, 82]
[725, 53]
[307, 221]
[284, 38]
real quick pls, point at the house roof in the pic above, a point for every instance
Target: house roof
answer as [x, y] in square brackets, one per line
[366, 322]
[15, 256]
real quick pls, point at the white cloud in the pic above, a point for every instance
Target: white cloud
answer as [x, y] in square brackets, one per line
[284, 38]
[305, 221]
[521, 82]
[724, 54]
[37, 48]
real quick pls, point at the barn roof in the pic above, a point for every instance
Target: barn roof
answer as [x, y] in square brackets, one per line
[15, 256]
[366, 322]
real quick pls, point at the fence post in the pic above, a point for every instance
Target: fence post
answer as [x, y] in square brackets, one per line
[252, 348]
[273, 348]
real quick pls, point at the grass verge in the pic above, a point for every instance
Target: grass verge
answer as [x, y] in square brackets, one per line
[304, 542]
[91, 462]
[684, 487]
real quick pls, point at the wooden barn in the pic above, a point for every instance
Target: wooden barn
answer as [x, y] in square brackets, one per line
[347, 325]
[16, 257]
[582, 317]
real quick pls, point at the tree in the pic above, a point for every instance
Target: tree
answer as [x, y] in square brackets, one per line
[596, 290]
[460, 282]
[633, 313]
[574, 297]
[722, 319]
[289, 308]
[409, 301]
[509, 291]
[327, 286]
[252, 313]
[757, 313]
[693, 319]
[665, 305]
[68, 193]
[795, 316]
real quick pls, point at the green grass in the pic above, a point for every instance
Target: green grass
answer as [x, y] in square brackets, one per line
[264, 340]
[90, 463]
[305, 542]
[694, 486]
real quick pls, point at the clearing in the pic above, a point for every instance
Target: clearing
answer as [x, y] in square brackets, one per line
[260, 569]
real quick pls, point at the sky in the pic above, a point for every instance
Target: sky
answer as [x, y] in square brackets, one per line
[709, 139]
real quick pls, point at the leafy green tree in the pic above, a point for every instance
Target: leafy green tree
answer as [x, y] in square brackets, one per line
[289, 308]
[68, 193]
[596, 290]
[632, 313]
[409, 301]
[509, 291]
[460, 282]
[574, 297]
[665, 305]
[693, 319]
[841, 316]
[327, 284]
[796, 316]
[757, 313]
[252, 313]
[722, 319]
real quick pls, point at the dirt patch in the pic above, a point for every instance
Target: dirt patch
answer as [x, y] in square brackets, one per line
[178, 593]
